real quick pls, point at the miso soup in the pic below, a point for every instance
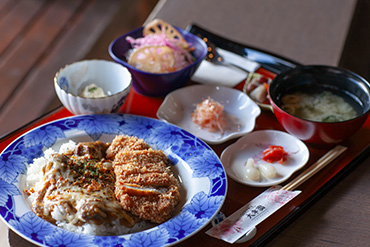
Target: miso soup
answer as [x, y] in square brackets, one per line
[323, 106]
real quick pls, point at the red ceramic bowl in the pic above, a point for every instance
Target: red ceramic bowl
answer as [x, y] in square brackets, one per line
[319, 78]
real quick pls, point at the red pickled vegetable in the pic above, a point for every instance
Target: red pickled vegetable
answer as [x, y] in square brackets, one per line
[274, 154]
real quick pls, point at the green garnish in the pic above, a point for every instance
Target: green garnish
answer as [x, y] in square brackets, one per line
[87, 170]
[90, 90]
[330, 118]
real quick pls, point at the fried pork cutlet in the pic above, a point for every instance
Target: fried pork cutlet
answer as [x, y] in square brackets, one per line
[145, 184]
[125, 142]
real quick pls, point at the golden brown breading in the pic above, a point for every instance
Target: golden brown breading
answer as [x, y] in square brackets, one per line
[156, 208]
[145, 184]
[125, 142]
[148, 179]
[143, 161]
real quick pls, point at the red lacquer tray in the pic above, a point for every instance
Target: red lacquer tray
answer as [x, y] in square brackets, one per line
[238, 194]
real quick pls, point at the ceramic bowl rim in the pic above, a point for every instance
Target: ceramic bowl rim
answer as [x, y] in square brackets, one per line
[311, 67]
[182, 31]
[127, 88]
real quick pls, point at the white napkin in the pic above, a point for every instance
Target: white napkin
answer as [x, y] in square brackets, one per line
[221, 75]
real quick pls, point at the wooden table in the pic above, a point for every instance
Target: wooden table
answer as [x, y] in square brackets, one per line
[49, 34]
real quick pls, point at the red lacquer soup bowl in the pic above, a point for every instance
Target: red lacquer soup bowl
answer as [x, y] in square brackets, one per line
[312, 80]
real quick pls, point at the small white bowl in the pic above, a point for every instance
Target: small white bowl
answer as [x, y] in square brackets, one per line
[242, 111]
[113, 78]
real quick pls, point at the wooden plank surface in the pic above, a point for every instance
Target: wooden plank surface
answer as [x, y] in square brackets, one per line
[24, 54]
[21, 57]
[71, 44]
[15, 20]
[52, 34]
[6, 6]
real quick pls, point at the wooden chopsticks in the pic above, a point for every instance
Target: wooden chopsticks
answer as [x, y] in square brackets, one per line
[314, 168]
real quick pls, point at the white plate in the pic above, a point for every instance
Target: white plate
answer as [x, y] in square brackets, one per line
[252, 145]
[239, 108]
[202, 176]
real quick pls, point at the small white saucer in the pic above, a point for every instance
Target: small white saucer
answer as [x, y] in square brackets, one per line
[253, 144]
[179, 104]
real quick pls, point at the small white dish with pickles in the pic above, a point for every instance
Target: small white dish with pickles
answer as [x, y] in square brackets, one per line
[245, 162]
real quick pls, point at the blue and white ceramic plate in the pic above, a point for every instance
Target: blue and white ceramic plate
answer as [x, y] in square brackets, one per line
[203, 179]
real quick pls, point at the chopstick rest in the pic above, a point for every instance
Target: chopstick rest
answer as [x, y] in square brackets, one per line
[254, 212]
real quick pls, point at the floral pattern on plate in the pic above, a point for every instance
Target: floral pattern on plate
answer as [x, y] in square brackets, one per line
[203, 175]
